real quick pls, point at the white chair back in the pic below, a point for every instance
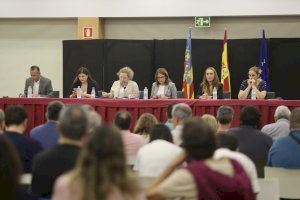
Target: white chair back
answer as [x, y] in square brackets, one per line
[269, 189]
[289, 181]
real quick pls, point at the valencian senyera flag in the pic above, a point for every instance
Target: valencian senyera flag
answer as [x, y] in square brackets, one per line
[225, 73]
[188, 79]
[263, 61]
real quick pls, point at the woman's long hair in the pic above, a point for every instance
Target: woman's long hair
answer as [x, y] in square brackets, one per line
[10, 169]
[83, 70]
[102, 166]
[205, 84]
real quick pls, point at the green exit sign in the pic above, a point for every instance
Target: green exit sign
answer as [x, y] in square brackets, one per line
[202, 22]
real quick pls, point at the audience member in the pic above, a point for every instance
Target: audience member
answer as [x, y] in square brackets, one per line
[125, 87]
[144, 125]
[163, 87]
[50, 164]
[2, 121]
[47, 134]
[180, 112]
[211, 121]
[285, 152]
[10, 173]
[281, 127]
[85, 81]
[169, 122]
[153, 158]
[228, 148]
[132, 142]
[41, 86]
[224, 118]
[94, 119]
[100, 172]
[252, 142]
[16, 124]
[204, 177]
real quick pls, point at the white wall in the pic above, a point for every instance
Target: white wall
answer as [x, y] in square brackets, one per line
[24, 42]
[147, 8]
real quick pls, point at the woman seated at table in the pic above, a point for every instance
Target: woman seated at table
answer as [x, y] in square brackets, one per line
[163, 88]
[85, 81]
[254, 82]
[125, 87]
[209, 82]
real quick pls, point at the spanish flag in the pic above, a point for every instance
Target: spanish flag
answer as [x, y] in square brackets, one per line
[225, 74]
[188, 78]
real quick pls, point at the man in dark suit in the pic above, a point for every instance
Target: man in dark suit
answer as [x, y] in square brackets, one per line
[41, 86]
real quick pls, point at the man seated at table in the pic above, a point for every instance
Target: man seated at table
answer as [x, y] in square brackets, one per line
[41, 86]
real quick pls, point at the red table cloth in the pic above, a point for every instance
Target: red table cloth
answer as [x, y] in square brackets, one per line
[36, 107]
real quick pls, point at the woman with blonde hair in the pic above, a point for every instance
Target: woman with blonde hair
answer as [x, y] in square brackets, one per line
[125, 87]
[211, 121]
[163, 87]
[144, 125]
[253, 85]
[100, 172]
[209, 82]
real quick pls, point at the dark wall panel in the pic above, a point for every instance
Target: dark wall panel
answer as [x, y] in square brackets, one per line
[78, 53]
[137, 54]
[105, 57]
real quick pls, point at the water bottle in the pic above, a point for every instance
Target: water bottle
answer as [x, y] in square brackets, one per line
[253, 94]
[146, 93]
[215, 93]
[29, 92]
[93, 93]
[78, 91]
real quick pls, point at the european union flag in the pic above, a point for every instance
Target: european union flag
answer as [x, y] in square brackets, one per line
[263, 61]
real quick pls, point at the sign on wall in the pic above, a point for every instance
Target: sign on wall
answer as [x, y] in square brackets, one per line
[87, 33]
[202, 22]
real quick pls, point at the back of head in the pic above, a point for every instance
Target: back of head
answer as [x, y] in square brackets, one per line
[225, 115]
[211, 121]
[161, 132]
[227, 141]
[250, 116]
[295, 119]
[53, 110]
[182, 111]
[282, 112]
[123, 120]
[2, 116]
[73, 122]
[102, 164]
[169, 110]
[145, 123]
[15, 115]
[199, 139]
[10, 168]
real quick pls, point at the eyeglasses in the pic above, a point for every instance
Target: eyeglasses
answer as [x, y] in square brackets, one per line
[160, 77]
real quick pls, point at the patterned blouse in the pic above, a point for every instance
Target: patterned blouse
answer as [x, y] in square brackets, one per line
[262, 86]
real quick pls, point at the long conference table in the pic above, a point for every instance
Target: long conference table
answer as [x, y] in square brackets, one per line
[36, 107]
